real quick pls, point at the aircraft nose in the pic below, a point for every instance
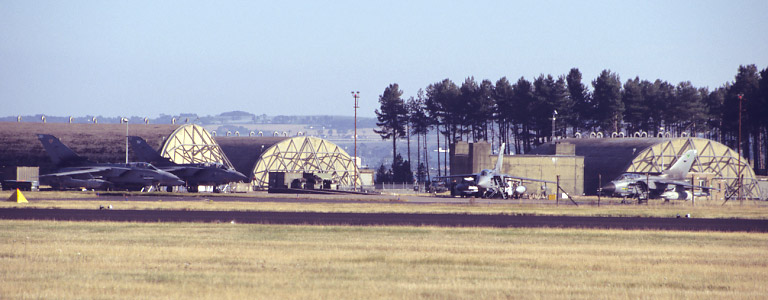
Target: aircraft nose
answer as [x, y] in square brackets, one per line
[483, 182]
[175, 181]
[239, 176]
[608, 189]
[172, 180]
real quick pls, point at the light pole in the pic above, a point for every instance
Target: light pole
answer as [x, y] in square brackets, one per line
[554, 114]
[738, 185]
[356, 95]
[126, 138]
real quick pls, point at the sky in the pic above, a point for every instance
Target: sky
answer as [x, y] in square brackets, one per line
[146, 58]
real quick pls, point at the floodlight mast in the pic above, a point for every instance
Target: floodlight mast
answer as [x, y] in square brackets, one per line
[356, 95]
[126, 138]
[554, 114]
[738, 185]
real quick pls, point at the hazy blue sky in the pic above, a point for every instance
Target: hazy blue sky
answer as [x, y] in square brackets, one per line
[145, 58]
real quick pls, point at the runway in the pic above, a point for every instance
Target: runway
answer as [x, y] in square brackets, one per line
[388, 219]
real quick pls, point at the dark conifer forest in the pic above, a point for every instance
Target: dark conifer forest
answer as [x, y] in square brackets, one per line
[520, 112]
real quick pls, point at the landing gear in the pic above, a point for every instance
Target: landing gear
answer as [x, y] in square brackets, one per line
[641, 193]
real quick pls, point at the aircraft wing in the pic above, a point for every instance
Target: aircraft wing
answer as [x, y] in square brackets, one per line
[526, 179]
[684, 183]
[456, 176]
[82, 171]
[178, 168]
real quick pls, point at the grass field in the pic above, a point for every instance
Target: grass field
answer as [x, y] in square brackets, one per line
[75, 260]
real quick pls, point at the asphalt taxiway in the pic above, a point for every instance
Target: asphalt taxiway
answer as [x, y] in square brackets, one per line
[366, 219]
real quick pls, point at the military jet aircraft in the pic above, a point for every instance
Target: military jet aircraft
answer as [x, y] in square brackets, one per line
[78, 172]
[669, 185]
[489, 183]
[194, 175]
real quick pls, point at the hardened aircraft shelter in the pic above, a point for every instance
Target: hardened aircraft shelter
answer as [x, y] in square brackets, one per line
[184, 143]
[716, 165]
[103, 143]
[257, 156]
[192, 144]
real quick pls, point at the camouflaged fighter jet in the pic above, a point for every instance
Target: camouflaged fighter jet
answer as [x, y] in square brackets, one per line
[78, 172]
[194, 175]
[669, 185]
[489, 183]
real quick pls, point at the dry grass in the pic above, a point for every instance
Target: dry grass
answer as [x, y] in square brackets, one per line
[49, 195]
[74, 260]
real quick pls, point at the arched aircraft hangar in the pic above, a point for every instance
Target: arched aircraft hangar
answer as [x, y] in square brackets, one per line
[190, 144]
[184, 143]
[256, 157]
[610, 157]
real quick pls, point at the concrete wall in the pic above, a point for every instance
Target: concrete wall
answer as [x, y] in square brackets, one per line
[482, 157]
[472, 158]
[763, 183]
[366, 176]
[460, 159]
[570, 169]
[467, 158]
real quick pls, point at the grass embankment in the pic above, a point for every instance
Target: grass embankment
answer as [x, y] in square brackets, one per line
[75, 260]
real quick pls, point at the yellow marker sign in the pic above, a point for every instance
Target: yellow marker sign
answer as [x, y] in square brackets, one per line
[18, 197]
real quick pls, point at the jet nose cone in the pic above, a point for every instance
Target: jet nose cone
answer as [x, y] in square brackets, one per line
[237, 176]
[171, 180]
[608, 189]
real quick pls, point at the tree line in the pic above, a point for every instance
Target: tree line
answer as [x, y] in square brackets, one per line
[521, 113]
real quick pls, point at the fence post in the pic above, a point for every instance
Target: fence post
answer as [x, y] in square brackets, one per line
[557, 192]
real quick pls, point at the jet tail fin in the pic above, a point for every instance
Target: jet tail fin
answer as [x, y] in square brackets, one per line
[681, 167]
[60, 154]
[500, 160]
[146, 153]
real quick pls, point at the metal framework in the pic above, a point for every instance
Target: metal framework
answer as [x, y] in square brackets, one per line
[712, 157]
[305, 154]
[193, 144]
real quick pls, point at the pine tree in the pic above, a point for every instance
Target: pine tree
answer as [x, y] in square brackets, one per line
[392, 117]
[607, 97]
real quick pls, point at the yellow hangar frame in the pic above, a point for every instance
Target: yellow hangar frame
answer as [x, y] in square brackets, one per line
[712, 157]
[193, 144]
[305, 154]
[716, 166]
